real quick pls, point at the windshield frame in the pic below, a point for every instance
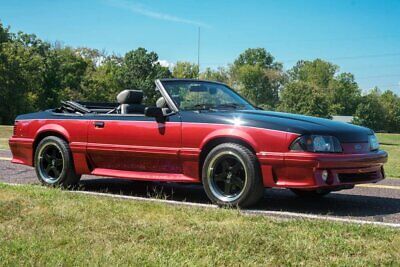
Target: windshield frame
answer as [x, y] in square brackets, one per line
[160, 86]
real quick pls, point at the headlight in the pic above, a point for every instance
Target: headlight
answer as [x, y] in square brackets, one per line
[373, 142]
[317, 143]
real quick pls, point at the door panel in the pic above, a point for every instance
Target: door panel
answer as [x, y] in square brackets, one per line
[135, 143]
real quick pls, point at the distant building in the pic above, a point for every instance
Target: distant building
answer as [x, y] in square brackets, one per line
[347, 119]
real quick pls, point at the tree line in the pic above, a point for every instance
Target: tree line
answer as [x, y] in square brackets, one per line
[36, 75]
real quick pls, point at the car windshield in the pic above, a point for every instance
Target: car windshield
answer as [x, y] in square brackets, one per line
[199, 95]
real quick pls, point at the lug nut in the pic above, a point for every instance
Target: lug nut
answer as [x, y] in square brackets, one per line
[325, 175]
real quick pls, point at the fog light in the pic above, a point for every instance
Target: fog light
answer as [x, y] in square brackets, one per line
[325, 175]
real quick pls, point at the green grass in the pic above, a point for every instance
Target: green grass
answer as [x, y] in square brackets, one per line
[40, 226]
[391, 143]
[5, 133]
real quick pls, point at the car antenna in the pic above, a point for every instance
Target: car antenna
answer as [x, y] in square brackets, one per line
[198, 54]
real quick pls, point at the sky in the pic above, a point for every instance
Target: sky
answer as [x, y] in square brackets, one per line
[361, 37]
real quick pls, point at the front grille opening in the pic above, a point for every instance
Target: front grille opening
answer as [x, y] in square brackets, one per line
[357, 177]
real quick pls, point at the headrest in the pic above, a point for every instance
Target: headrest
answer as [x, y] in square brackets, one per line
[130, 97]
[161, 103]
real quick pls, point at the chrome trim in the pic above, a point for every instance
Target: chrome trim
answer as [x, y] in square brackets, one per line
[167, 97]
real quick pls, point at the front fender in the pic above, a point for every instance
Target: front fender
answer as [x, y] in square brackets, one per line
[235, 133]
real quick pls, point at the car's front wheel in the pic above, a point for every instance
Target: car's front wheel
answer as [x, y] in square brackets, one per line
[231, 176]
[54, 164]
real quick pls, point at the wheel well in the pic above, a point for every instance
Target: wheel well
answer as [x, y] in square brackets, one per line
[40, 137]
[217, 141]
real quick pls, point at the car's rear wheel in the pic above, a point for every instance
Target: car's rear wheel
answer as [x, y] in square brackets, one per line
[310, 193]
[231, 176]
[53, 163]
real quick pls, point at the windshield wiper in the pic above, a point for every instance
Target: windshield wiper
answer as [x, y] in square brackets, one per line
[231, 105]
[207, 106]
[202, 106]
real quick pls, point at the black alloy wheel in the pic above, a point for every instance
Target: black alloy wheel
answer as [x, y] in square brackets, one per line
[51, 163]
[231, 176]
[54, 163]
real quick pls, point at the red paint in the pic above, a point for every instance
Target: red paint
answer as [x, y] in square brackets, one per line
[135, 146]
[147, 150]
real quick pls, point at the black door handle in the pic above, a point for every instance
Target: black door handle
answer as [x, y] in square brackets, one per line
[99, 124]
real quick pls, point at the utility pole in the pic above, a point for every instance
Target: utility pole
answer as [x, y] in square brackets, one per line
[198, 53]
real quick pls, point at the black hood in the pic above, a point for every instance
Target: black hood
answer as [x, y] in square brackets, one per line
[345, 132]
[286, 122]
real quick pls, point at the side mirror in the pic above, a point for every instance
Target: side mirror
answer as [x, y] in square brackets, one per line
[155, 112]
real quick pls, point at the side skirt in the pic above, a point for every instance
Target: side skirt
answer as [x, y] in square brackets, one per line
[145, 176]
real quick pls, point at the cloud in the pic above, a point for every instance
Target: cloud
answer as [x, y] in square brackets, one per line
[145, 11]
[165, 63]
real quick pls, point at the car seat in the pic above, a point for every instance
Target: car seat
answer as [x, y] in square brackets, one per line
[130, 102]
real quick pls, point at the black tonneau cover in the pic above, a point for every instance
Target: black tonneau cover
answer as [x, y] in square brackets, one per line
[82, 107]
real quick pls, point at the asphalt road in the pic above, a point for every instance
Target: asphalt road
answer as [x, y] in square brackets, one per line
[373, 202]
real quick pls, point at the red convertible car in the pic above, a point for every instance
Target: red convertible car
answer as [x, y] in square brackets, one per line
[197, 132]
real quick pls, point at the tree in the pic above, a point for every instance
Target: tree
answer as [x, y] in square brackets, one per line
[20, 78]
[304, 98]
[63, 75]
[101, 82]
[21, 73]
[339, 90]
[139, 70]
[257, 56]
[4, 33]
[258, 77]
[219, 75]
[258, 85]
[35, 75]
[391, 104]
[317, 72]
[93, 57]
[31, 41]
[345, 94]
[185, 70]
[370, 111]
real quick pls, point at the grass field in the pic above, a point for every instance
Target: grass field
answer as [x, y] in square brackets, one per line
[389, 142]
[5, 133]
[40, 226]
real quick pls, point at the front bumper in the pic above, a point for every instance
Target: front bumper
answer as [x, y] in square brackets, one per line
[304, 170]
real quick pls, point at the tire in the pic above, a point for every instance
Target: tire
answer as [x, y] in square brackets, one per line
[231, 176]
[54, 164]
[310, 193]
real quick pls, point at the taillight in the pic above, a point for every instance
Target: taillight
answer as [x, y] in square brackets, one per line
[15, 128]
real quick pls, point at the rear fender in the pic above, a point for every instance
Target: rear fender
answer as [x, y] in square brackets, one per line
[78, 149]
[54, 128]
